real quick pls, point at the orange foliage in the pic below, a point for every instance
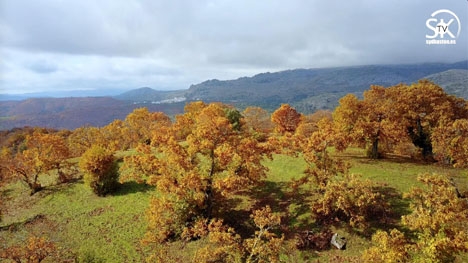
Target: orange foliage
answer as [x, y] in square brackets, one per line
[215, 161]
[396, 114]
[439, 217]
[34, 251]
[42, 153]
[286, 119]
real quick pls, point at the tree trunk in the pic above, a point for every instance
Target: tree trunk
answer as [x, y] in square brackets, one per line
[374, 154]
[422, 140]
[35, 187]
[208, 207]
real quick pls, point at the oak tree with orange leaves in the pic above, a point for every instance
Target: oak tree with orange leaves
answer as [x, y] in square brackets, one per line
[258, 120]
[368, 122]
[439, 218]
[195, 169]
[450, 141]
[43, 152]
[397, 113]
[286, 119]
[35, 250]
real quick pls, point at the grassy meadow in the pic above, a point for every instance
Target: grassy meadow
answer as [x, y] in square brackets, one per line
[109, 229]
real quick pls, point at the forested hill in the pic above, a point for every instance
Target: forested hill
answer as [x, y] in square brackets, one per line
[305, 89]
[312, 89]
[73, 112]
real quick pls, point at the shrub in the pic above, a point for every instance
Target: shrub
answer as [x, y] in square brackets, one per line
[35, 249]
[100, 170]
[350, 199]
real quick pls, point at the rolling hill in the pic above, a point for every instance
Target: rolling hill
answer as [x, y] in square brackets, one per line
[306, 89]
[454, 81]
[312, 89]
[71, 113]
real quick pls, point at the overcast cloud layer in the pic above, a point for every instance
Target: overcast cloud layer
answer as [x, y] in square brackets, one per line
[48, 45]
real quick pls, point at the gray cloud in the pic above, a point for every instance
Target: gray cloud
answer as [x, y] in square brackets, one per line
[172, 44]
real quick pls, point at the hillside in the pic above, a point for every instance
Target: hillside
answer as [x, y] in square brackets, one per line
[454, 81]
[312, 89]
[71, 113]
[146, 94]
[306, 89]
[111, 228]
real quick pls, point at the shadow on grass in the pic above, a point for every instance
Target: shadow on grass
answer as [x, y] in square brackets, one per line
[291, 203]
[398, 207]
[388, 158]
[132, 187]
[239, 219]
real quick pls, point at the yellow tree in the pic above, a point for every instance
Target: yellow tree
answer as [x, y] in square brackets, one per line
[321, 166]
[224, 245]
[35, 250]
[369, 121]
[388, 248]
[43, 152]
[100, 170]
[83, 138]
[194, 176]
[184, 123]
[309, 123]
[141, 123]
[396, 113]
[258, 120]
[116, 135]
[439, 217]
[335, 193]
[286, 119]
[450, 141]
[420, 107]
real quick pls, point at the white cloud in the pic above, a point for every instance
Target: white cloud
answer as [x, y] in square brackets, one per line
[54, 44]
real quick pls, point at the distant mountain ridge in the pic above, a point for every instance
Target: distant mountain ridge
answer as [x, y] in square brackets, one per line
[147, 94]
[454, 81]
[71, 113]
[312, 89]
[306, 89]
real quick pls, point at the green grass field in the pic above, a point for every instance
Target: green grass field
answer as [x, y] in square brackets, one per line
[109, 229]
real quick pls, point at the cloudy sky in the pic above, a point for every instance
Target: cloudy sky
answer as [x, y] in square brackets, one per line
[57, 45]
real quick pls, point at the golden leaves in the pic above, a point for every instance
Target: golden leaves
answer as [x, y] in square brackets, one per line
[286, 119]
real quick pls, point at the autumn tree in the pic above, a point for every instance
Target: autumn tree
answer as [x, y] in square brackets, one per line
[395, 113]
[43, 152]
[438, 221]
[450, 141]
[369, 121]
[224, 245]
[421, 106]
[35, 250]
[116, 136]
[309, 123]
[83, 138]
[194, 176]
[258, 120]
[4, 159]
[100, 170]
[335, 193]
[184, 123]
[286, 119]
[388, 248]
[321, 166]
[139, 122]
[265, 246]
[350, 199]
[439, 218]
